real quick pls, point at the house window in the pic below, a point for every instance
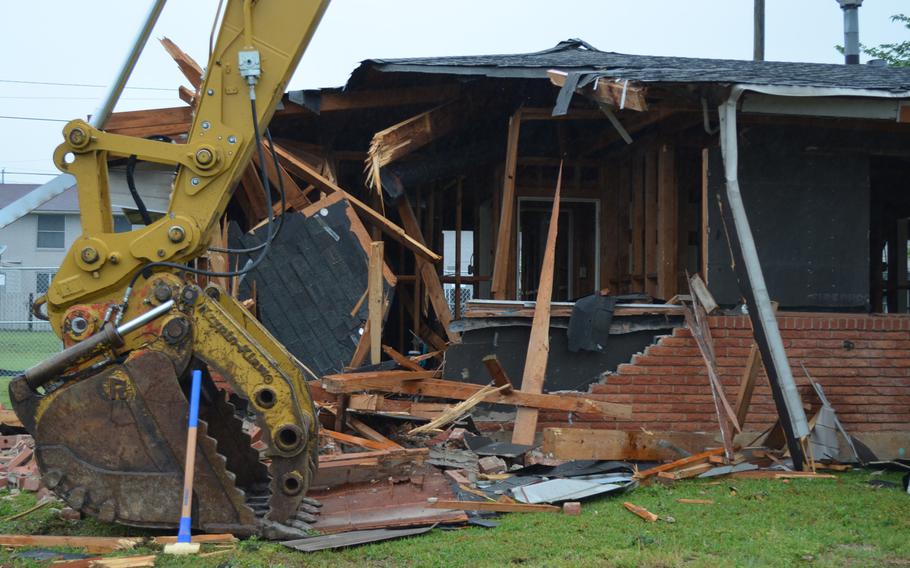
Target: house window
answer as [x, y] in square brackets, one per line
[51, 231]
[122, 224]
[43, 282]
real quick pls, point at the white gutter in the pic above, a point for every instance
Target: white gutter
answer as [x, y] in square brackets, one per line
[41, 195]
[729, 148]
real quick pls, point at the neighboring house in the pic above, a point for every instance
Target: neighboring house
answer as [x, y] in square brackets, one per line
[35, 245]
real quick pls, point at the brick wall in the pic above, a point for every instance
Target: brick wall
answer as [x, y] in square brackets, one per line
[861, 361]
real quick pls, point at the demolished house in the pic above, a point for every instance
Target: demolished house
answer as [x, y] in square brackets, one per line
[731, 237]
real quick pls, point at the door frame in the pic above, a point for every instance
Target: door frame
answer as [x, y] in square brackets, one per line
[596, 202]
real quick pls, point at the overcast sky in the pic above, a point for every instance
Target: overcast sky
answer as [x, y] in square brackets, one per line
[83, 42]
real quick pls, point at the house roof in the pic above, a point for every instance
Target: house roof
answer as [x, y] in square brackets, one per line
[577, 55]
[66, 202]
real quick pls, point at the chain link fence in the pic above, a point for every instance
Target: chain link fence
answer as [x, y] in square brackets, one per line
[467, 293]
[24, 339]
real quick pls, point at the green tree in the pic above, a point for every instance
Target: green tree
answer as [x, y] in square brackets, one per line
[895, 54]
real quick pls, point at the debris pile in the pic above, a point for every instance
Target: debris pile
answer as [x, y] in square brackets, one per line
[18, 468]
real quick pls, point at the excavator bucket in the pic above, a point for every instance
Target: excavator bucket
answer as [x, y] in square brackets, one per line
[112, 443]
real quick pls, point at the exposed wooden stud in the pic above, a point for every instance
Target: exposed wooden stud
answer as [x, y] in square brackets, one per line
[638, 223]
[651, 226]
[376, 300]
[667, 223]
[535, 368]
[705, 225]
[503, 251]
[427, 271]
[459, 194]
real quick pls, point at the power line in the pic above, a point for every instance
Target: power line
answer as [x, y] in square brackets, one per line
[38, 118]
[89, 98]
[79, 85]
[7, 172]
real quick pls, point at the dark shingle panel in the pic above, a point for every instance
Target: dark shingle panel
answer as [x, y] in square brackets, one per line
[653, 69]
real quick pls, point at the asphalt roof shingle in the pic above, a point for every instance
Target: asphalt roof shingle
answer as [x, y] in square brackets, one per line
[576, 55]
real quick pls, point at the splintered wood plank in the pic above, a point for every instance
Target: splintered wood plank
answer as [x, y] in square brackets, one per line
[667, 223]
[407, 136]
[410, 383]
[363, 347]
[749, 377]
[539, 342]
[91, 544]
[427, 271]
[493, 506]
[641, 512]
[699, 290]
[680, 463]
[305, 171]
[503, 251]
[696, 321]
[353, 440]
[188, 66]
[375, 301]
[402, 361]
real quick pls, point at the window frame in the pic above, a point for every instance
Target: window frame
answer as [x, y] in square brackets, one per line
[39, 231]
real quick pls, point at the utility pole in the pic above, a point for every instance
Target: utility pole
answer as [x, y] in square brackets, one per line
[758, 36]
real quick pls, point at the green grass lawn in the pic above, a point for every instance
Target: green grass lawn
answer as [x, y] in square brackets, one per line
[842, 522]
[19, 350]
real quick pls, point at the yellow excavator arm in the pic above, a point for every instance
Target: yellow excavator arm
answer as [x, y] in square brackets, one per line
[108, 412]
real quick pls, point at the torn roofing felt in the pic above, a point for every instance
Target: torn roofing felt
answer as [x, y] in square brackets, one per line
[576, 55]
[308, 285]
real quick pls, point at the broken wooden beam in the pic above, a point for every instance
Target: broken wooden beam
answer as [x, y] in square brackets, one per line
[401, 360]
[406, 383]
[619, 94]
[353, 440]
[620, 445]
[497, 373]
[535, 367]
[304, 171]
